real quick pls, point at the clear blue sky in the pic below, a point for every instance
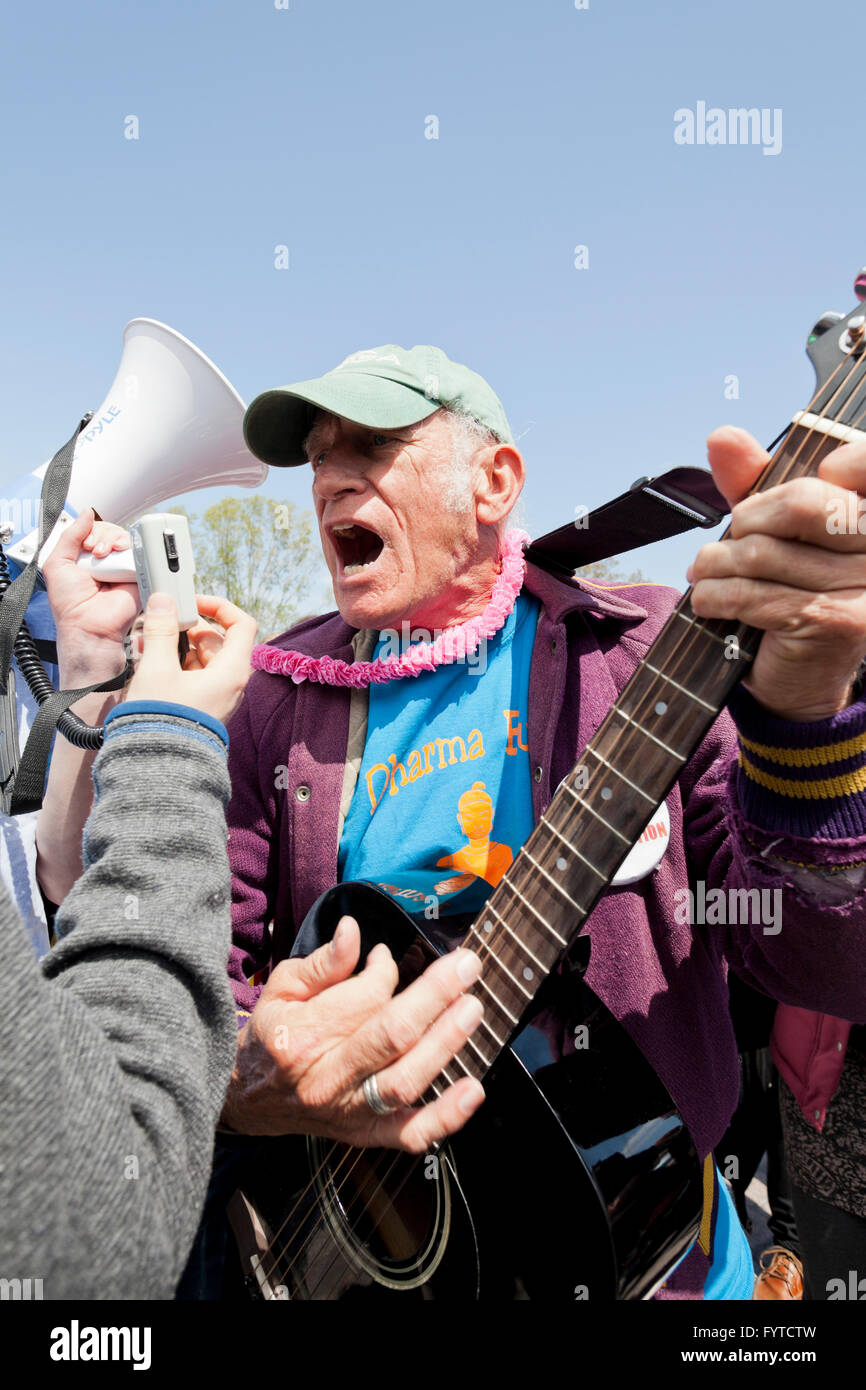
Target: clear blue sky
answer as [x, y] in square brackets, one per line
[305, 126]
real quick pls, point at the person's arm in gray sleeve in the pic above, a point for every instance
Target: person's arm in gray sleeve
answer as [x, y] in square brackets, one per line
[117, 1047]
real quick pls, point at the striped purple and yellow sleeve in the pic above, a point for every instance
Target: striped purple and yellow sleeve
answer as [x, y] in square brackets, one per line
[802, 780]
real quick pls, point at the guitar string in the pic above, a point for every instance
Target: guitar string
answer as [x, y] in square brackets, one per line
[391, 1195]
[694, 628]
[315, 1175]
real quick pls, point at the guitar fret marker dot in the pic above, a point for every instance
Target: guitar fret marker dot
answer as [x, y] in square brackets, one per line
[606, 793]
[488, 926]
[527, 973]
[561, 863]
[661, 707]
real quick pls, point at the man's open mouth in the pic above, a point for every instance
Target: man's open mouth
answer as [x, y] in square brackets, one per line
[357, 547]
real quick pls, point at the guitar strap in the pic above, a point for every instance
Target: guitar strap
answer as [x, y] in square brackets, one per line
[651, 510]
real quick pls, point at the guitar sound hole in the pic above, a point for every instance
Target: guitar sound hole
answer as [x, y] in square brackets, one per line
[387, 1214]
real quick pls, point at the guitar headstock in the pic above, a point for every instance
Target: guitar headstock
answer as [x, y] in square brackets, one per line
[836, 349]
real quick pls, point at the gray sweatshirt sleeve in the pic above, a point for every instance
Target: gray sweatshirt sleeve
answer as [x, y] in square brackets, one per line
[117, 1047]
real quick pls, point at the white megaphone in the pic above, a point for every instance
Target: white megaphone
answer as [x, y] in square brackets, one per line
[171, 423]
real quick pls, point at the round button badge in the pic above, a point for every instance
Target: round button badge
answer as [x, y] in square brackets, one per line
[643, 857]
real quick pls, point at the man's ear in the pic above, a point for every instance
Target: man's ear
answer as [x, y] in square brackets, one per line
[503, 476]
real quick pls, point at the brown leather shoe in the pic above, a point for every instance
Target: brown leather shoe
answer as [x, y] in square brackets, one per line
[782, 1277]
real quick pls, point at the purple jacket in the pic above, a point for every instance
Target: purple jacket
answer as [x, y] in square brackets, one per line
[731, 826]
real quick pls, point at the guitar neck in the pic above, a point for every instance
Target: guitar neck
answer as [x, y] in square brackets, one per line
[601, 808]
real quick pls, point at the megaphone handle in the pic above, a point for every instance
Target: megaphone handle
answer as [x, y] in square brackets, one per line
[116, 568]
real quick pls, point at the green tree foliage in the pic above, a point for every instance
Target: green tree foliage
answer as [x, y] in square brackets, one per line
[609, 572]
[261, 554]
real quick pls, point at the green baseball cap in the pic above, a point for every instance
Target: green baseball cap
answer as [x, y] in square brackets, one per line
[384, 388]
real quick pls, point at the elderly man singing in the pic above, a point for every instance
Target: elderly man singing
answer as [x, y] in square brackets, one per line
[352, 759]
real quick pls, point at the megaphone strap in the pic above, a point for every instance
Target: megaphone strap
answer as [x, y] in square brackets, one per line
[29, 782]
[55, 486]
[25, 792]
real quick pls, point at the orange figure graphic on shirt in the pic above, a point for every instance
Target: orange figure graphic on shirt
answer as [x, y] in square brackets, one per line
[482, 856]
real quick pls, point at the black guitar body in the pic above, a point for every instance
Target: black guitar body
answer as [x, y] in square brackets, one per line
[576, 1178]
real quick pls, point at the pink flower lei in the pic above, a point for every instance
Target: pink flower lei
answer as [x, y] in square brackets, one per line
[454, 644]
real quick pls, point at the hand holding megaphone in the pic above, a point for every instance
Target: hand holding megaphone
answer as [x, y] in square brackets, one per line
[112, 565]
[159, 559]
[170, 423]
[87, 616]
[155, 555]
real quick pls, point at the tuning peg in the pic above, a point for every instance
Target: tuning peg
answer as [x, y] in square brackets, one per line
[860, 284]
[825, 321]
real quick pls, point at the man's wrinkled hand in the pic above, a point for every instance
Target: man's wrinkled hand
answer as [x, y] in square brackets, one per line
[786, 571]
[318, 1032]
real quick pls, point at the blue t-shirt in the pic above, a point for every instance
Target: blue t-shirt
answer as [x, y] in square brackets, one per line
[443, 801]
[731, 1274]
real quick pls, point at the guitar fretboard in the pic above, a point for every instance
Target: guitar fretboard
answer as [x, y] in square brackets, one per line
[600, 810]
